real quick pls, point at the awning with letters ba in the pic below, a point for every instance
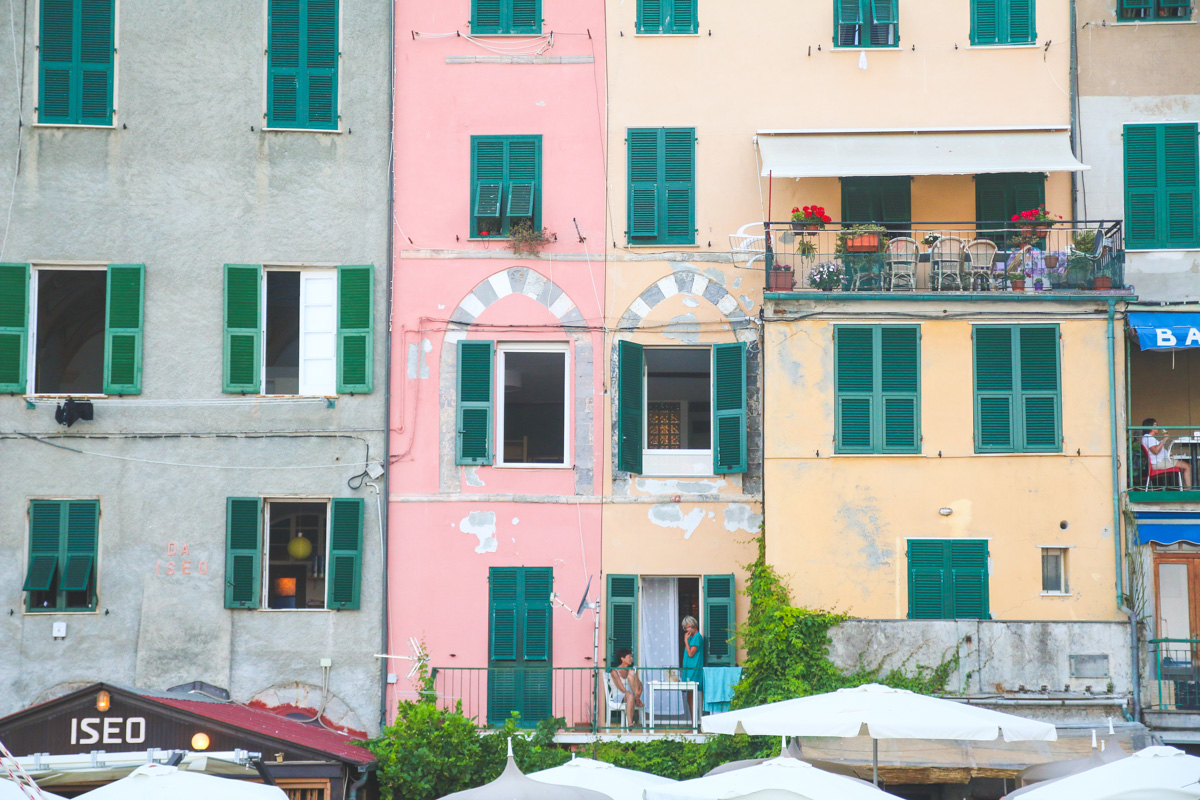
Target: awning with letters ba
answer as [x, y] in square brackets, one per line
[1168, 527]
[1165, 330]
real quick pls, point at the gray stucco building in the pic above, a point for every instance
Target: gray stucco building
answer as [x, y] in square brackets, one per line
[197, 244]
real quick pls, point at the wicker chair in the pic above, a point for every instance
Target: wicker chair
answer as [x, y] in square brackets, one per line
[900, 269]
[982, 255]
[945, 263]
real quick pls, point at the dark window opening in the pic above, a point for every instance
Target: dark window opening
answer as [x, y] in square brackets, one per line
[679, 399]
[69, 356]
[295, 574]
[1150, 10]
[535, 405]
[689, 606]
[282, 366]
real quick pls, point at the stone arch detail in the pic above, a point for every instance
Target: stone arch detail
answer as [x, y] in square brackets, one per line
[534, 285]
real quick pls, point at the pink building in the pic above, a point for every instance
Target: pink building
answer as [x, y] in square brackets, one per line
[498, 367]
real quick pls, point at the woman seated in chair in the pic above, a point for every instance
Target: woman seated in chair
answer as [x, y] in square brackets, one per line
[1160, 451]
[626, 682]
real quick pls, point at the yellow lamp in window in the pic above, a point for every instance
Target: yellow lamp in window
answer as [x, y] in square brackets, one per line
[299, 548]
[285, 587]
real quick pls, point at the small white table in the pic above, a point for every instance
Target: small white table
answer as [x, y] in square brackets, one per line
[675, 686]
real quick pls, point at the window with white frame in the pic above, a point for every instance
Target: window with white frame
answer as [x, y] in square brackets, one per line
[678, 409]
[300, 332]
[1054, 570]
[531, 412]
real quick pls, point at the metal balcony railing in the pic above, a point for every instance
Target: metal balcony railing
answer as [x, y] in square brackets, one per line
[1152, 472]
[1177, 673]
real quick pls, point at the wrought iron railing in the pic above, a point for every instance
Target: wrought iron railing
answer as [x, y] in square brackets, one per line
[1172, 468]
[972, 256]
[1177, 672]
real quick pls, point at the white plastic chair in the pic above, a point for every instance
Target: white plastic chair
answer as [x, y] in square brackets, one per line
[749, 246]
[615, 702]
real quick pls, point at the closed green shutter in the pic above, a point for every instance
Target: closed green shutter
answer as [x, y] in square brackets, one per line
[1022, 21]
[968, 568]
[854, 374]
[631, 406]
[927, 592]
[720, 649]
[302, 64]
[76, 62]
[506, 181]
[900, 400]
[1181, 216]
[14, 326]
[643, 183]
[475, 398]
[621, 621]
[886, 199]
[526, 16]
[243, 552]
[356, 341]
[1040, 390]
[662, 185]
[994, 390]
[683, 18]
[729, 408]
[491, 17]
[485, 17]
[284, 64]
[679, 170]
[520, 643]
[1003, 22]
[123, 329]
[948, 579]
[345, 553]
[1141, 186]
[877, 389]
[82, 527]
[322, 62]
[45, 540]
[243, 330]
[985, 22]
[503, 586]
[1018, 403]
[999, 196]
[537, 620]
[650, 16]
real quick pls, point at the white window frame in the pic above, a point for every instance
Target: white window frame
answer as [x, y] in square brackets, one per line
[1065, 589]
[265, 577]
[675, 463]
[312, 272]
[502, 349]
[31, 344]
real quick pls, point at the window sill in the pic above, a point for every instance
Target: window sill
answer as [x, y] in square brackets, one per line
[879, 455]
[74, 611]
[1058, 594]
[488, 239]
[60, 396]
[660, 246]
[666, 35]
[300, 130]
[505, 35]
[851, 48]
[1162, 249]
[111, 127]
[1006, 46]
[677, 463]
[1152, 21]
[287, 610]
[534, 466]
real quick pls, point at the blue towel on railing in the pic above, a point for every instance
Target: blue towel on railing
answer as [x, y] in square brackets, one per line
[718, 687]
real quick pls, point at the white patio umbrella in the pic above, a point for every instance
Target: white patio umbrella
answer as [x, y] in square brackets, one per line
[600, 776]
[880, 712]
[1156, 773]
[516, 785]
[10, 791]
[776, 774]
[158, 781]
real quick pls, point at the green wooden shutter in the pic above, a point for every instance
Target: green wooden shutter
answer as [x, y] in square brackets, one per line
[520, 200]
[537, 621]
[522, 181]
[1181, 218]
[621, 623]
[848, 17]
[475, 397]
[1040, 412]
[243, 552]
[526, 16]
[485, 17]
[643, 183]
[487, 181]
[82, 526]
[123, 329]
[995, 396]
[884, 12]
[1142, 201]
[631, 406]
[1028, 190]
[683, 17]
[968, 571]
[990, 208]
[14, 326]
[679, 170]
[729, 408]
[243, 330]
[719, 649]
[45, 539]
[76, 62]
[284, 64]
[895, 200]
[503, 586]
[650, 16]
[854, 375]
[96, 62]
[985, 21]
[900, 386]
[57, 64]
[321, 64]
[343, 586]
[856, 201]
[1022, 22]
[356, 341]
[928, 595]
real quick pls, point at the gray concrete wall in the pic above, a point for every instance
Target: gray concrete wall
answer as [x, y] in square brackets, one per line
[185, 182]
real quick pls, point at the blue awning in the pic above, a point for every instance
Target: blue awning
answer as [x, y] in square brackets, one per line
[1166, 330]
[1168, 527]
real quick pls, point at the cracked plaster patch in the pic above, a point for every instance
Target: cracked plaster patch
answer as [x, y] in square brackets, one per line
[482, 525]
[684, 327]
[670, 515]
[742, 517]
[471, 475]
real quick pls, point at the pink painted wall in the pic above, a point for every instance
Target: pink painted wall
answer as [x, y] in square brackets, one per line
[438, 572]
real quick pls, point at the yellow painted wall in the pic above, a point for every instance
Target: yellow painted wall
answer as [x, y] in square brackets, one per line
[837, 525]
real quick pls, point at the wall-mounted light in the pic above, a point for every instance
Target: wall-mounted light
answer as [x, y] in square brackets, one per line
[946, 511]
[103, 701]
[200, 741]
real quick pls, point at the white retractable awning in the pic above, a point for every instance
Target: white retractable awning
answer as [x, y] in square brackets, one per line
[831, 154]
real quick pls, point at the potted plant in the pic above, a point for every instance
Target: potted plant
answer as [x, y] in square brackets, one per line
[1016, 275]
[781, 278]
[826, 276]
[868, 238]
[931, 239]
[809, 218]
[523, 238]
[1035, 222]
[805, 247]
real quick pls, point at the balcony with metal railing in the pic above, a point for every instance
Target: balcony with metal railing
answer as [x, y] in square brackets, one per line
[969, 257]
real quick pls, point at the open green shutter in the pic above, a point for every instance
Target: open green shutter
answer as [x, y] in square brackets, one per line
[475, 397]
[356, 341]
[321, 64]
[650, 16]
[96, 62]
[344, 583]
[899, 366]
[995, 396]
[82, 526]
[1142, 199]
[485, 17]
[243, 552]
[968, 570]
[854, 374]
[58, 95]
[719, 647]
[884, 12]
[729, 408]
[14, 326]
[537, 620]
[503, 584]
[985, 22]
[243, 357]
[849, 12]
[644, 179]
[631, 406]
[526, 16]
[679, 171]
[520, 200]
[928, 596]
[123, 329]
[46, 521]
[1181, 218]
[284, 64]
[1040, 412]
[621, 622]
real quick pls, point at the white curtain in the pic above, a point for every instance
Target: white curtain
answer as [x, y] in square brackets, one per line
[658, 649]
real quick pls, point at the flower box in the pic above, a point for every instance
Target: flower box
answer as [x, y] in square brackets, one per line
[866, 243]
[781, 279]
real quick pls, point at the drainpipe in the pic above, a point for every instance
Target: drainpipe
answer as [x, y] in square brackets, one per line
[387, 373]
[365, 772]
[1135, 660]
[1074, 96]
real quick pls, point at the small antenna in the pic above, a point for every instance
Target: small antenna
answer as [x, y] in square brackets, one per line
[583, 602]
[418, 657]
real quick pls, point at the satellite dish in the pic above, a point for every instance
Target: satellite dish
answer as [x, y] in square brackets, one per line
[583, 603]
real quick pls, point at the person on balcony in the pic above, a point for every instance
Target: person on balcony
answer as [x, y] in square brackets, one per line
[627, 683]
[693, 658]
[1158, 444]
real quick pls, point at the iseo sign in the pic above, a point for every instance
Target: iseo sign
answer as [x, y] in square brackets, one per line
[108, 730]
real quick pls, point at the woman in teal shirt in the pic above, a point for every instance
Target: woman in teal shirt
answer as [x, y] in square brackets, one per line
[693, 658]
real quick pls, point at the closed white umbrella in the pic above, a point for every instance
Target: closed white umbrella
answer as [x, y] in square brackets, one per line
[772, 775]
[158, 781]
[1156, 773]
[880, 712]
[600, 776]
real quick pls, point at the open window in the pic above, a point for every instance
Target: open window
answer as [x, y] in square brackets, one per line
[644, 614]
[532, 410]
